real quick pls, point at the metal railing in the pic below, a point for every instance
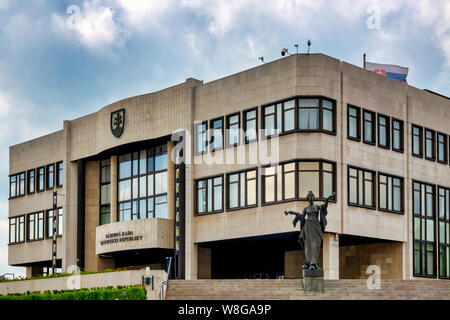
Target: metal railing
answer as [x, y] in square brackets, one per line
[165, 284]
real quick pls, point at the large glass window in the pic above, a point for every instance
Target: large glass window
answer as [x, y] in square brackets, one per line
[442, 148]
[143, 184]
[241, 189]
[59, 222]
[383, 131]
[430, 143]
[280, 181]
[50, 178]
[328, 115]
[216, 134]
[424, 226]
[251, 125]
[233, 127]
[105, 190]
[397, 135]
[16, 230]
[59, 174]
[390, 191]
[209, 195]
[354, 122]
[369, 127]
[31, 181]
[444, 232]
[361, 187]
[417, 141]
[17, 185]
[35, 226]
[308, 117]
[41, 179]
[201, 137]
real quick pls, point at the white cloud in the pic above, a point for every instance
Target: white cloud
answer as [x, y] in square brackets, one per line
[145, 14]
[5, 104]
[4, 4]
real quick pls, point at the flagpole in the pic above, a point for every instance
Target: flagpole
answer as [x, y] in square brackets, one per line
[364, 61]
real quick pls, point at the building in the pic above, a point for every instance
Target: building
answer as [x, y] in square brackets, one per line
[304, 122]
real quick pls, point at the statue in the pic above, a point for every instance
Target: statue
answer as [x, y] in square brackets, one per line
[311, 229]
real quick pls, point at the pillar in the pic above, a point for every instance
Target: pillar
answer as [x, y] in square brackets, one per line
[331, 256]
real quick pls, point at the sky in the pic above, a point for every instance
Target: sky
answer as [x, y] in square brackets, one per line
[60, 60]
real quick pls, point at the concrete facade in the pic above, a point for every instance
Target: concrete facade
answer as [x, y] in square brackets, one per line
[152, 116]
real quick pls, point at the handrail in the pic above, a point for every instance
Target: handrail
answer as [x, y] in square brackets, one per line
[166, 282]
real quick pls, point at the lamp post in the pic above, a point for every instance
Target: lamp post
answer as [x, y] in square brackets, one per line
[55, 205]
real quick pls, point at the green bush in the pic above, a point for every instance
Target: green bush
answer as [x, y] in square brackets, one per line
[109, 293]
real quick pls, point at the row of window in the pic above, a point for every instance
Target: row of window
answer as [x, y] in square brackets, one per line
[37, 180]
[429, 143]
[390, 130]
[297, 114]
[35, 226]
[431, 249]
[362, 190]
[284, 182]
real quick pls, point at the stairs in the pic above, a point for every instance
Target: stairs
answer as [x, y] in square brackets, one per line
[292, 290]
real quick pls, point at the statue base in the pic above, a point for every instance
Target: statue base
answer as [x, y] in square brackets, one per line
[313, 281]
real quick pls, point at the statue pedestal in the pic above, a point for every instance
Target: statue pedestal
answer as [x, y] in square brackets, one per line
[313, 281]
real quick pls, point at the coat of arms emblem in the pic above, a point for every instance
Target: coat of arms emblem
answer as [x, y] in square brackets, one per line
[117, 122]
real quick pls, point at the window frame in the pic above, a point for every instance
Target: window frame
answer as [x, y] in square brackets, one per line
[446, 222]
[433, 144]
[227, 132]
[421, 144]
[358, 122]
[227, 182]
[59, 173]
[402, 193]
[246, 120]
[34, 181]
[17, 229]
[445, 143]
[211, 130]
[196, 131]
[387, 129]
[374, 127]
[103, 184]
[48, 233]
[196, 182]
[18, 179]
[374, 188]
[38, 178]
[47, 179]
[36, 226]
[401, 130]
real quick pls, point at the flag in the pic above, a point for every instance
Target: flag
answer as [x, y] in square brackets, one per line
[389, 71]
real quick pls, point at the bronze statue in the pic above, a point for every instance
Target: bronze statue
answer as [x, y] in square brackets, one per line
[311, 229]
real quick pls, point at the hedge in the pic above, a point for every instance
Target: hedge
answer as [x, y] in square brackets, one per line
[108, 293]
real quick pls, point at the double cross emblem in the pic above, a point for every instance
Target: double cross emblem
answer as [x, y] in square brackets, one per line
[117, 122]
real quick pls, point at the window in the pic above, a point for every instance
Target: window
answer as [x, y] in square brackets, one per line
[209, 195]
[41, 179]
[241, 189]
[442, 148]
[424, 226]
[59, 222]
[328, 116]
[397, 135]
[50, 178]
[17, 230]
[369, 127]
[308, 116]
[59, 174]
[430, 149]
[444, 232]
[17, 185]
[361, 187]
[390, 193]
[233, 126]
[201, 137]
[384, 131]
[354, 122]
[216, 134]
[105, 191]
[142, 185]
[31, 182]
[417, 141]
[294, 180]
[251, 125]
[35, 226]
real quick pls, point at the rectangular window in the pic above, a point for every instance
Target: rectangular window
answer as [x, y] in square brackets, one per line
[105, 189]
[17, 230]
[442, 148]
[41, 179]
[430, 144]
[361, 187]
[31, 181]
[417, 141]
[241, 189]
[201, 140]
[369, 127]
[354, 122]
[444, 232]
[390, 193]
[17, 185]
[384, 131]
[209, 195]
[59, 174]
[50, 178]
[35, 226]
[271, 120]
[251, 125]
[59, 222]
[308, 115]
[233, 128]
[216, 134]
[424, 229]
[397, 135]
[328, 116]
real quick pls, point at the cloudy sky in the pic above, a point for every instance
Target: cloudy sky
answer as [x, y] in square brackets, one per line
[63, 59]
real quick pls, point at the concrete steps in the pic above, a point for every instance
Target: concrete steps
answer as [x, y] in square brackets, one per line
[292, 289]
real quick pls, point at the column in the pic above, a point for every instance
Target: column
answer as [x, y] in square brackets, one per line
[331, 256]
[114, 171]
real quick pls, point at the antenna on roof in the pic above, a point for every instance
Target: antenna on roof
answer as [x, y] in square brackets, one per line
[309, 45]
[262, 59]
[296, 46]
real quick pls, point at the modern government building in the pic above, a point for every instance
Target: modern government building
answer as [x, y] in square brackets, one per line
[203, 172]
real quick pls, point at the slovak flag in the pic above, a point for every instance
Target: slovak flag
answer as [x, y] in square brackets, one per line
[389, 70]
